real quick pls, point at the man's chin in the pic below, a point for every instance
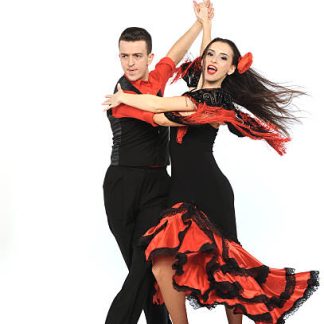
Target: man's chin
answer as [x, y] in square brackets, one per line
[133, 77]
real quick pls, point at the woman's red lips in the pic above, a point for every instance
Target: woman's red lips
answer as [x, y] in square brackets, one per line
[211, 69]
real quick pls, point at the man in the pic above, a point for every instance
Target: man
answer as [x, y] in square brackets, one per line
[136, 183]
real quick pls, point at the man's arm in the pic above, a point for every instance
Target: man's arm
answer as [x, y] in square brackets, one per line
[204, 13]
[183, 44]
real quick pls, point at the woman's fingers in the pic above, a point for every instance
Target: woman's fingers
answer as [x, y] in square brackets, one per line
[211, 14]
[108, 101]
[107, 106]
[207, 3]
[196, 7]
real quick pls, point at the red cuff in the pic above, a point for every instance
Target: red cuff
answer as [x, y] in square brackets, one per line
[148, 117]
[124, 111]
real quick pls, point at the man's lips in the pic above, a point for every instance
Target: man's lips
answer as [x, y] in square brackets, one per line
[211, 69]
[132, 70]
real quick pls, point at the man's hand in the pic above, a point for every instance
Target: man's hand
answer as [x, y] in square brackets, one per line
[113, 100]
[204, 11]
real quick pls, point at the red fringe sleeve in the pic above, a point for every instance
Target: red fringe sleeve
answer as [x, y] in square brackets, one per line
[248, 125]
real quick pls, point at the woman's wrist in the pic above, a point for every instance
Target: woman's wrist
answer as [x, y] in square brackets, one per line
[206, 24]
[202, 22]
[123, 98]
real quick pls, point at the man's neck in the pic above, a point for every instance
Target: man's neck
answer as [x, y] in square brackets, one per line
[146, 76]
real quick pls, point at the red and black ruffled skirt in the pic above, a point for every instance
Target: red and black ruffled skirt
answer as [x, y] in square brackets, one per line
[213, 270]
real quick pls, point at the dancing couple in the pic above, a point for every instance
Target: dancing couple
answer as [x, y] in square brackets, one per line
[179, 235]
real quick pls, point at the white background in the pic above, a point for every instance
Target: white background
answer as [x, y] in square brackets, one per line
[58, 261]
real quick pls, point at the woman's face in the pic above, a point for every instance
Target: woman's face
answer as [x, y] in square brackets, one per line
[218, 64]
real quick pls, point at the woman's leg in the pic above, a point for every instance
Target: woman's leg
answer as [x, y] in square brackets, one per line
[174, 300]
[233, 318]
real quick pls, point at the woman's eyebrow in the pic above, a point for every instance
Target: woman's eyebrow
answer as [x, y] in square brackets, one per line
[219, 53]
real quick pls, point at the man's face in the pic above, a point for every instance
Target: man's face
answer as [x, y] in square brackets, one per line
[135, 59]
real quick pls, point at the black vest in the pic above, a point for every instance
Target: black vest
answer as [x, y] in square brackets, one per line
[137, 143]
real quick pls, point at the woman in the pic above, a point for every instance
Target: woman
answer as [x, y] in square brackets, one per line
[195, 248]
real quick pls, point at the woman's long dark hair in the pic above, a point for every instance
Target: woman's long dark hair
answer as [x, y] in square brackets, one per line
[262, 97]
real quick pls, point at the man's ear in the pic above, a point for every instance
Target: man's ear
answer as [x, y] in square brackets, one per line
[150, 59]
[231, 70]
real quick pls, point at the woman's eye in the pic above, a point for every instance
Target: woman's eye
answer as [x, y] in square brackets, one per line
[209, 53]
[224, 58]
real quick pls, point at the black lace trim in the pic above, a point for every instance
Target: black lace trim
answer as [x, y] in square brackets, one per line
[174, 117]
[260, 274]
[212, 97]
[216, 97]
[313, 284]
[238, 309]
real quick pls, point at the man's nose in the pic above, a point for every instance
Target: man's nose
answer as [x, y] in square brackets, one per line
[130, 61]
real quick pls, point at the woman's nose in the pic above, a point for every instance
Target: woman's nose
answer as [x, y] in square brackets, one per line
[214, 59]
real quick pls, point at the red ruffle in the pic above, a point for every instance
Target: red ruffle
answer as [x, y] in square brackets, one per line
[212, 270]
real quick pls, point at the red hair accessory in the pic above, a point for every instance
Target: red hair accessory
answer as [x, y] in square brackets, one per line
[244, 62]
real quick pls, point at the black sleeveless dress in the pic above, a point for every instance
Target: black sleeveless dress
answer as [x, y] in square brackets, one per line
[196, 177]
[199, 228]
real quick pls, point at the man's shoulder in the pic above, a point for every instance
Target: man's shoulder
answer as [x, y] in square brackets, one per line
[163, 69]
[166, 60]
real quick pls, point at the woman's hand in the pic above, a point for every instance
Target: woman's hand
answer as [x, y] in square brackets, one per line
[115, 99]
[216, 125]
[187, 113]
[204, 11]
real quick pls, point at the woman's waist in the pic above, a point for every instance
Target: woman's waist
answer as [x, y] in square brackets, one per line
[192, 145]
[192, 159]
[192, 153]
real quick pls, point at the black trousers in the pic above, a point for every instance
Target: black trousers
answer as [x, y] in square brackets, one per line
[134, 198]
